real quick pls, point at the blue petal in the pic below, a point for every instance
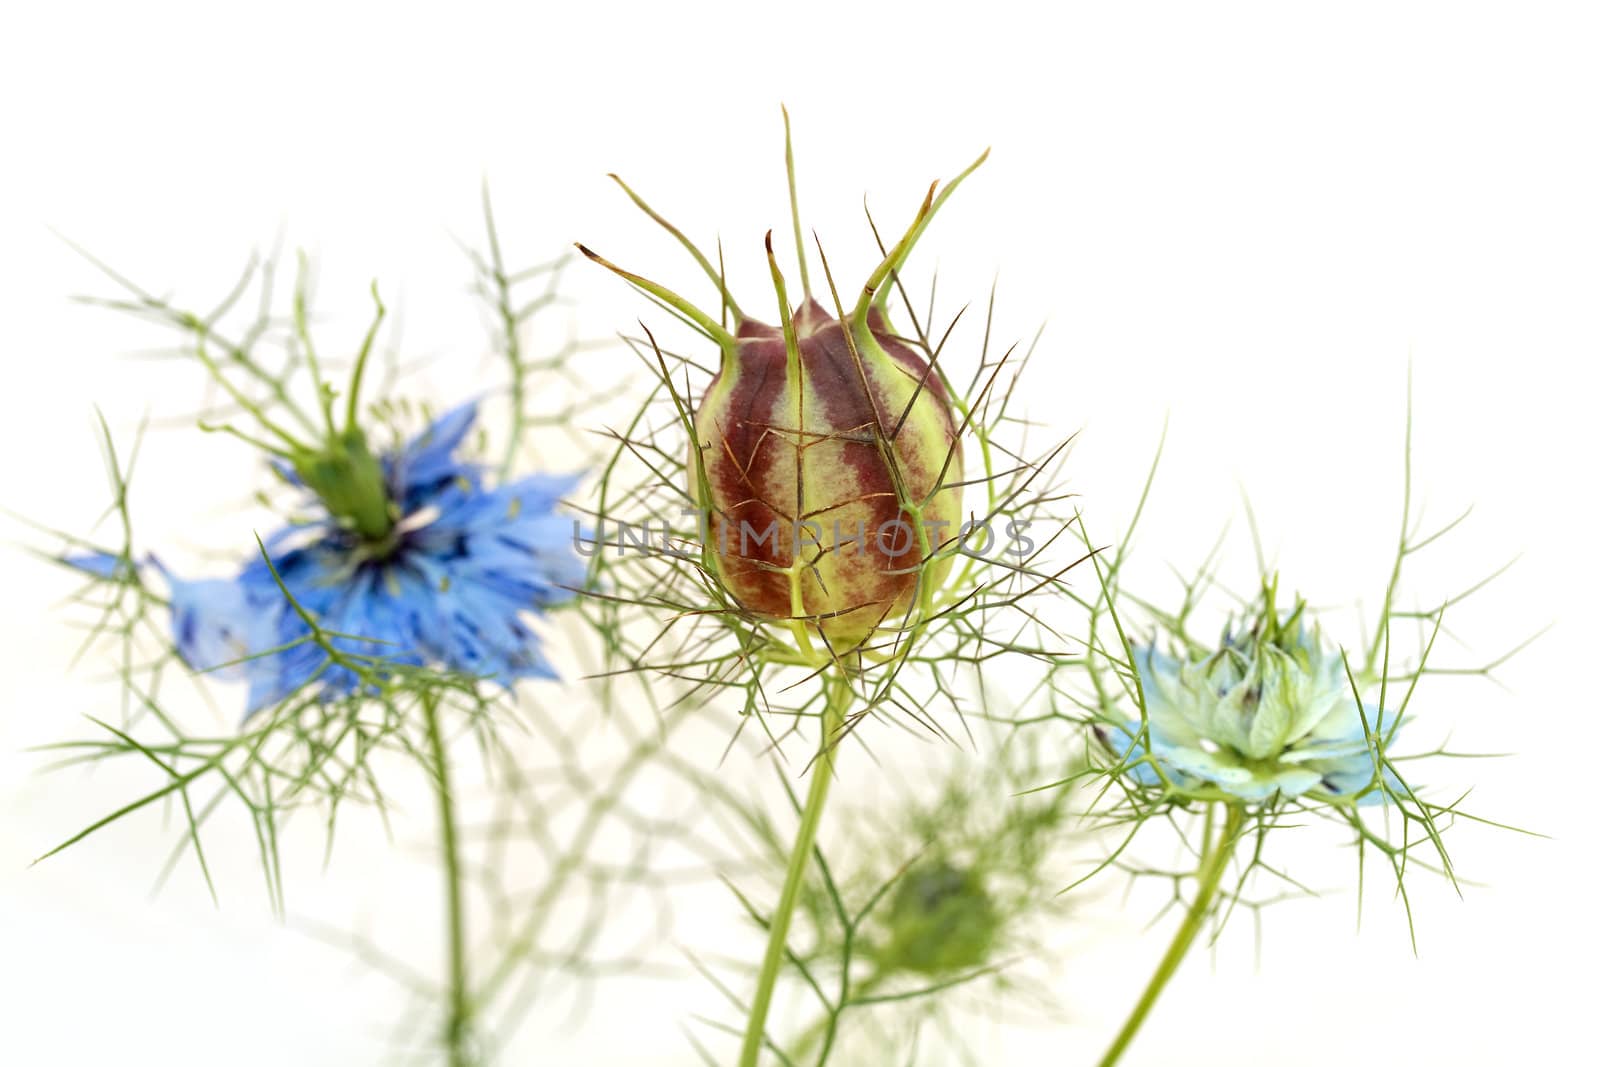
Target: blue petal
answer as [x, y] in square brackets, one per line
[425, 469]
[312, 576]
[285, 470]
[1355, 774]
[1122, 740]
[216, 627]
[110, 566]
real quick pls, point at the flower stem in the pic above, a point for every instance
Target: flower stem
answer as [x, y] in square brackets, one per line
[838, 695]
[459, 1018]
[1213, 865]
[826, 1030]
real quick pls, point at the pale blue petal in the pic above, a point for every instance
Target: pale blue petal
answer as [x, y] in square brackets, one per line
[107, 565]
[216, 627]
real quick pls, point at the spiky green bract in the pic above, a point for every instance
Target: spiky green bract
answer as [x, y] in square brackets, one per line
[662, 602]
[673, 605]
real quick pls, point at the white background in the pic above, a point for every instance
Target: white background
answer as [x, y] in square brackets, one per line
[1249, 217]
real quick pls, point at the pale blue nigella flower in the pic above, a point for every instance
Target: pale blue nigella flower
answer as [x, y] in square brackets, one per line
[1267, 713]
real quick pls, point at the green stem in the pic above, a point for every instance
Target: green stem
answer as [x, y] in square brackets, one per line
[826, 1030]
[459, 1020]
[1213, 865]
[799, 860]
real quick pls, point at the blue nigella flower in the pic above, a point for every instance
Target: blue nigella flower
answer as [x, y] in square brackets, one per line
[451, 585]
[1268, 713]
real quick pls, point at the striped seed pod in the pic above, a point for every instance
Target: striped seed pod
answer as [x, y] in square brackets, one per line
[826, 453]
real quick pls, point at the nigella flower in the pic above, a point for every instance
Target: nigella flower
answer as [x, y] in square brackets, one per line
[1270, 712]
[941, 920]
[450, 583]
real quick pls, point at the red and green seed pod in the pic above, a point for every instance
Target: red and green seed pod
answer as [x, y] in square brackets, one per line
[826, 453]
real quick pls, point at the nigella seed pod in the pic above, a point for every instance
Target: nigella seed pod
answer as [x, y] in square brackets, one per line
[826, 450]
[349, 481]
